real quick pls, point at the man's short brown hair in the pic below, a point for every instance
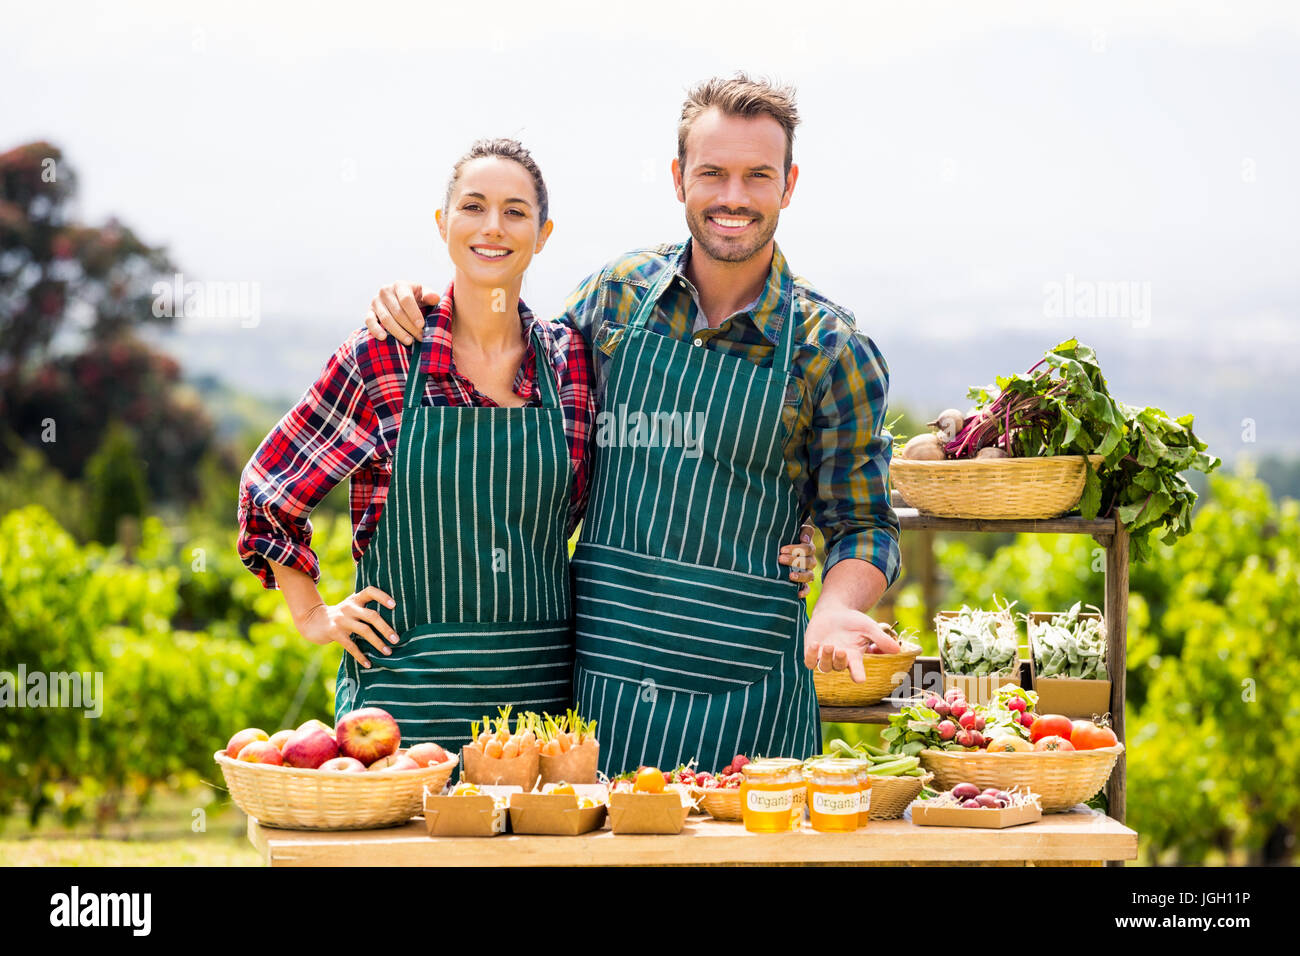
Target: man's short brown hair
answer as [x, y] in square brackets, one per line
[740, 96]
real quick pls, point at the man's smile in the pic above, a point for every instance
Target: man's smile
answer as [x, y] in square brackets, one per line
[730, 225]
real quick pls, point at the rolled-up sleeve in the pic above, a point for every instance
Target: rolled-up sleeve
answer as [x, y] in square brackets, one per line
[849, 453]
[323, 439]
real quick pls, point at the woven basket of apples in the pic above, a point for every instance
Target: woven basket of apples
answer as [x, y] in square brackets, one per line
[352, 776]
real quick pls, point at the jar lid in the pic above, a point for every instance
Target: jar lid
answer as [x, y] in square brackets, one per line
[840, 767]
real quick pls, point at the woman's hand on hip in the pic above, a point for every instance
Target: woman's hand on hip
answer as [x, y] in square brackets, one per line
[801, 559]
[396, 309]
[350, 618]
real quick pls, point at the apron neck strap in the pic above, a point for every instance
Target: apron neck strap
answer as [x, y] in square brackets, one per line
[784, 346]
[547, 385]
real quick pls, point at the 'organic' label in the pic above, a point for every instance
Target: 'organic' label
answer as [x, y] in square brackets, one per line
[769, 801]
[836, 804]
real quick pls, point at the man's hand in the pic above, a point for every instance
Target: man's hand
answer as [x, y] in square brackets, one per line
[837, 638]
[396, 309]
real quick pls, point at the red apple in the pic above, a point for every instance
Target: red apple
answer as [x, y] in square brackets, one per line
[346, 764]
[426, 754]
[318, 724]
[261, 751]
[281, 737]
[368, 734]
[308, 749]
[394, 762]
[243, 739]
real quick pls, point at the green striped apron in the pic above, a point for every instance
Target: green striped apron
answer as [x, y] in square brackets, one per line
[689, 633]
[471, 546]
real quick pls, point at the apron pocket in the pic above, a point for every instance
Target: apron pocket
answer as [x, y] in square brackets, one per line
[441, 676]
[679, 626]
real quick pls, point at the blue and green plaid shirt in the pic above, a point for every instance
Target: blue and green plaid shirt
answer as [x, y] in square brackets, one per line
[837, 453]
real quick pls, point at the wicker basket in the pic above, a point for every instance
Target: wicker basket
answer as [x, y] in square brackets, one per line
[890, 796]
[1061, 778]
[997, 488]
[297, 799]
[838, 689]
[722, 803]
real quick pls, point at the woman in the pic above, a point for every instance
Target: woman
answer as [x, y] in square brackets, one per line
[468, 476]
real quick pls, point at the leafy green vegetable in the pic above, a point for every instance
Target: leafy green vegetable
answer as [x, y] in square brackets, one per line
[1062, 406]
[1069, 646]
[977, 642]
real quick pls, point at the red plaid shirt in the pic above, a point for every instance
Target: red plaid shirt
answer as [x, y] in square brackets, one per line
[346, 425]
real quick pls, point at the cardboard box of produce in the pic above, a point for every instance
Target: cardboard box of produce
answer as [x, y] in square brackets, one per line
[473, 816]
[648, 812]
[557, 814]
[577, 765]
[1071, 697]
[978, 690]
[518, 771]
[958, 817]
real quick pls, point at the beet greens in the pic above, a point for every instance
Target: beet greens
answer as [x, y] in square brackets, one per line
[1062, 406]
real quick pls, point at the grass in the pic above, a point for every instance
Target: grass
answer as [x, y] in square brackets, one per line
[164, 834]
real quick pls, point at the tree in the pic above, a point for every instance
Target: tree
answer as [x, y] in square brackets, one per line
[63, 280]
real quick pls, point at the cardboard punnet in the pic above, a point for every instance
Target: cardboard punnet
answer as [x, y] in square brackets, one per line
[518, 771]
[445, 815]
[648, 812]
[978, 690]
[959, 817]
[1073, 697]
[578, 765]
[557, 814]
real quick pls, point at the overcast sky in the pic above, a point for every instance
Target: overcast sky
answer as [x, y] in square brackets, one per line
[956, 158]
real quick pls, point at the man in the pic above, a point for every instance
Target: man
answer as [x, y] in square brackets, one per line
[687, 635]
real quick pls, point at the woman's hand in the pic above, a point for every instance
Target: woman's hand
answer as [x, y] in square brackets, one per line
[396, 309]
[337, 623]
[801, 558]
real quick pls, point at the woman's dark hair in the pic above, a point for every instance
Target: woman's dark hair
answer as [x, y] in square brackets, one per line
[506, 149]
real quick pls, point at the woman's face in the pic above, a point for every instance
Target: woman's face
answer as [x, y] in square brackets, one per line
[490, 226]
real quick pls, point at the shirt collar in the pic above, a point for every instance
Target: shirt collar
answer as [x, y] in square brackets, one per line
[767, 312]
[437, 334]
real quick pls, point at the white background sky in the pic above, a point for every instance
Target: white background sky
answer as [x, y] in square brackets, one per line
[954, 156]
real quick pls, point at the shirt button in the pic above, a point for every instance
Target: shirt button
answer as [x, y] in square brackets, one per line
[699, 342]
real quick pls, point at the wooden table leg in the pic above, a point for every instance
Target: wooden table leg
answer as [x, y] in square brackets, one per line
[1116, 613]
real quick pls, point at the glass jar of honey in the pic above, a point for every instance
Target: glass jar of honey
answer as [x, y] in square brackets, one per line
[835, 795]
[767, 795]
[864, 786]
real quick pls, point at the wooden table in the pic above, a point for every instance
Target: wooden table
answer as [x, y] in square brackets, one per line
[1081, 837]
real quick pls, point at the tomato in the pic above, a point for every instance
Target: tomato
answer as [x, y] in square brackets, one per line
[1053, 743]
[650, 780]
[1050, 725]
[1089, 736]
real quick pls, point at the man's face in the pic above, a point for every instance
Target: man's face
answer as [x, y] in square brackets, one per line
[733, 183]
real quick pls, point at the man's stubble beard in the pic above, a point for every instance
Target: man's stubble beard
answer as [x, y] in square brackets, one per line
[724, 251]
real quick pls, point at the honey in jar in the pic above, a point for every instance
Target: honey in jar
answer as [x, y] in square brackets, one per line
[767, 795]
[835, 795]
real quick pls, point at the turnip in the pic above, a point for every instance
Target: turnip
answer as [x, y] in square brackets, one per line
[953, 694]
[971, 805]
[986, 800]
[967, 720]
[979, 722]
[924, 448]
[947, 730]
[958, 708]
[942, 709]
[949, 423]
[991, 452]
